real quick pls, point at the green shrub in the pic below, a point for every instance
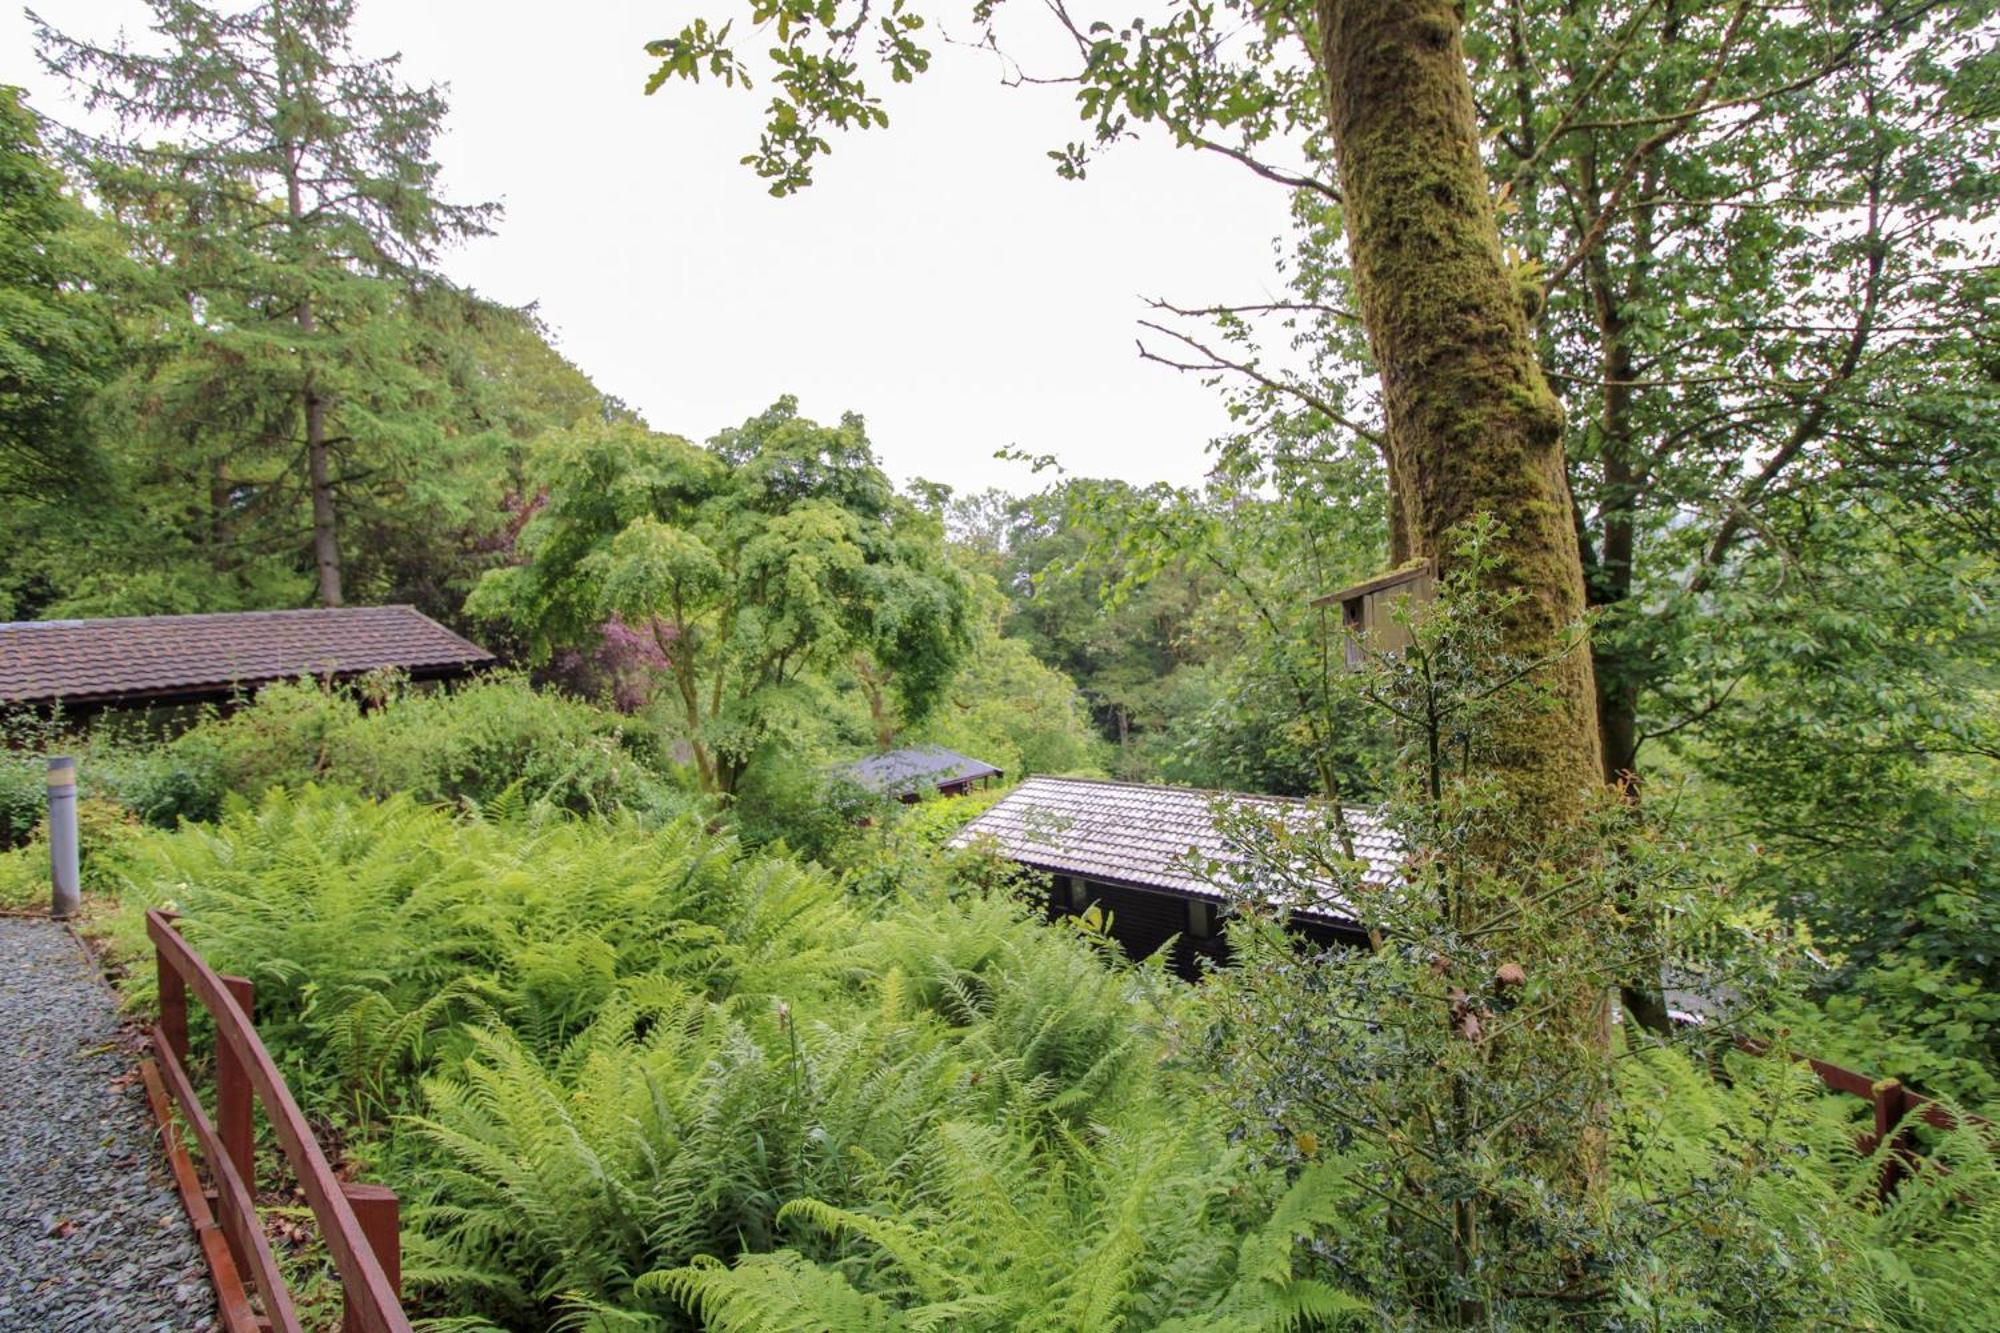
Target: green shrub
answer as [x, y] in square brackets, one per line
[105, 832]
[24, 878]
[785, 799]
[588, 1050]
[378, 737]
[23, 798]
[182, 782]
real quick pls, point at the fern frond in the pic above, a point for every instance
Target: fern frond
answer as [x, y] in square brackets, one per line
[908, 1247]
[771, 1293]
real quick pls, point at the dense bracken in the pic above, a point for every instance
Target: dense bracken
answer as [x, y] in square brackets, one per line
[1667, 333]
[635, 1077]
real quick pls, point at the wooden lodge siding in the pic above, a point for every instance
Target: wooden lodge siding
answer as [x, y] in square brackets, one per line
[1144, 920]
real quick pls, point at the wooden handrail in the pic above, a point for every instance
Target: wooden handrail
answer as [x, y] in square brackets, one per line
[1895, 1106]
[357, 1222]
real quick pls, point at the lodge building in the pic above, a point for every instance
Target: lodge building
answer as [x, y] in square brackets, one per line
[918, 771]
[1135, 851]
[82, 667]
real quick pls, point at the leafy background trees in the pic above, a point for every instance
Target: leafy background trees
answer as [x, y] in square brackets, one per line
[288, 186]
[59, 337]
[842, 1078]
[625, 1073]
[1754, 248]
[778, 551]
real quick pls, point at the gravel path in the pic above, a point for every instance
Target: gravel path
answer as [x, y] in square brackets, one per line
[92, 1236]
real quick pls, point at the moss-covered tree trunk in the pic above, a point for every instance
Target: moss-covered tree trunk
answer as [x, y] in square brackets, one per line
[1472, 425]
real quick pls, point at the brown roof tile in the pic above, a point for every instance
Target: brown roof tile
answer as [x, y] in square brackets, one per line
[134, 659]
[1143, 836]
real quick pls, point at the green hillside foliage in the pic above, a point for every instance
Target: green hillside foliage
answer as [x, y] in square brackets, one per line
[630, 1076]
[657, 1024]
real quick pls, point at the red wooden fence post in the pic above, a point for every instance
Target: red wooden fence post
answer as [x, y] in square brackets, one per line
[376, 1209]
[236, 1103]
[173, 1003]
[1891, 1104]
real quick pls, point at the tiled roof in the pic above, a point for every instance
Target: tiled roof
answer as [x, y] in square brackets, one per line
[1144, 836]
[133, 659]
[916, 767]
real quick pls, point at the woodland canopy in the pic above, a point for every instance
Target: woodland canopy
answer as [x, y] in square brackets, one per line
[1662, 335]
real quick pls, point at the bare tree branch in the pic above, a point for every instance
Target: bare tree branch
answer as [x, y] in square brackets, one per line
[1268, 172]
[1257, 308]
[1218, 362]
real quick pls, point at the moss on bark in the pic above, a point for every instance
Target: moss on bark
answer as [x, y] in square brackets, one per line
[1473, 426]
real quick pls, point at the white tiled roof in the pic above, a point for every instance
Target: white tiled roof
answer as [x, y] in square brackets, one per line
[1144, 836]
[916, 767]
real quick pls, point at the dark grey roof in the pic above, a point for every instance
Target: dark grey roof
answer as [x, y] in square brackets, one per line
[1144, 836]
[915, 768]
[134, 659]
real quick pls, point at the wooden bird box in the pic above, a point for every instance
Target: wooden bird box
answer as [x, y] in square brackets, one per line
[1367, 610]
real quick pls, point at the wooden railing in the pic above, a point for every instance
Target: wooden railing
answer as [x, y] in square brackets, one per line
[1897, 1109]
[358, 1223]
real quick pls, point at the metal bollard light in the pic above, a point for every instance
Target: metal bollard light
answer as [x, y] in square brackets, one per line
[67, 898]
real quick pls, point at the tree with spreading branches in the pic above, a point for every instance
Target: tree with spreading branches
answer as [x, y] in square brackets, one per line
[1471, 427]
[778, 552]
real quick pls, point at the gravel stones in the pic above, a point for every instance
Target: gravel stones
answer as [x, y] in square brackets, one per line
[92, 1236]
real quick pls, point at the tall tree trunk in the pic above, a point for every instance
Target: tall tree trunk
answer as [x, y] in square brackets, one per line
[679, 654]
[326, 535]
[319, 462]
[220, 493]
[1400, 551]
[1617, 677]
[1472, 424]
[880, 716]
[1618, 669]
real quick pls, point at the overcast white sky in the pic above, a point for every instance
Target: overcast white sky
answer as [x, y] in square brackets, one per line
[938, 278]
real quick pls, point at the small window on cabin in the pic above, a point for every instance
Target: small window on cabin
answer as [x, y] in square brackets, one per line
[1079, 894]
[1201, 920]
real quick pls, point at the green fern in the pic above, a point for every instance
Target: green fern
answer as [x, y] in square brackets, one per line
[773, 1293]
[627, 1077]
[376, 1046]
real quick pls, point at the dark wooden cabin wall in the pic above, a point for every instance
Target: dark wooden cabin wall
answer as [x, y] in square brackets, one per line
[1142, 922]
